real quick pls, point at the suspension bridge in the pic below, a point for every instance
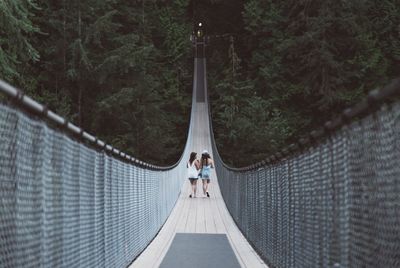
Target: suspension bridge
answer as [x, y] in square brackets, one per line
[68, 199]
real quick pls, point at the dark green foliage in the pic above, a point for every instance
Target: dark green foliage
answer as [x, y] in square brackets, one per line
[123, 69]
[16, 49]
[119, 69]
[306, 60]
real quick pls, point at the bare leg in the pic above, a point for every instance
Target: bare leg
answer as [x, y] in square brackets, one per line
[205, 187]
[194, 187]
[191, 188]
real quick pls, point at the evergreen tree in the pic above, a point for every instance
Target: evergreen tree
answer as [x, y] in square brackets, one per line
[94, 52]
[308, 60]
[123, 70]
[16, 51]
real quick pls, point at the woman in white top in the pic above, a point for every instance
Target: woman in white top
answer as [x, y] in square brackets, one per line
[193, 172]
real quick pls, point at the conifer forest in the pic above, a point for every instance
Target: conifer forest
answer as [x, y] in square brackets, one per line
[122, 70]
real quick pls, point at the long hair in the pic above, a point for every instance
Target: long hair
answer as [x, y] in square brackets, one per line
[204, 159]
[192, 157]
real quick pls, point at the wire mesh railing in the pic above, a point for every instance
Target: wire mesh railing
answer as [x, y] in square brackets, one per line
[330, 201]
[64, 203]
[333, 199]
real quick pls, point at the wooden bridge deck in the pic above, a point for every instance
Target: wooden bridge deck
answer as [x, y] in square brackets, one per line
[201, 214]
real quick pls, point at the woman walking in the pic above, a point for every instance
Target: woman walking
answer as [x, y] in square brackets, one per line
[193, 173]
[206, 165]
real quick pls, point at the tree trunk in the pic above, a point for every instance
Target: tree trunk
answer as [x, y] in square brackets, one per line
[79, 104]
[64, 39]
[79, 67]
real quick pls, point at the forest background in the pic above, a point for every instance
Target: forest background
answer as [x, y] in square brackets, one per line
[122, 70]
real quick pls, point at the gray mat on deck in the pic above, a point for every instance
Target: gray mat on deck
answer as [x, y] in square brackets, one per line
[200, 250]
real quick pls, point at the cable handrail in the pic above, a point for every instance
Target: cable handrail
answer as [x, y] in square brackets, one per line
[375, 99]
[42, 110]
[94, 205]
[329, 200]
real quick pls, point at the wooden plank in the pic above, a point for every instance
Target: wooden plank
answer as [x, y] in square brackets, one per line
[210, 216]
[191, 218]
[200, 214]
[182, 220]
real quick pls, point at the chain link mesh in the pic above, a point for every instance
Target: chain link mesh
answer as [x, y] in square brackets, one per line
[64, 204]
[336, 204]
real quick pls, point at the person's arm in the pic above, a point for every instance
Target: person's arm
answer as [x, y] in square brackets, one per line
[212, 163]
[197, 164]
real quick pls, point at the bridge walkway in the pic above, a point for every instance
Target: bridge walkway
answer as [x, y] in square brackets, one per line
[200, 215]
